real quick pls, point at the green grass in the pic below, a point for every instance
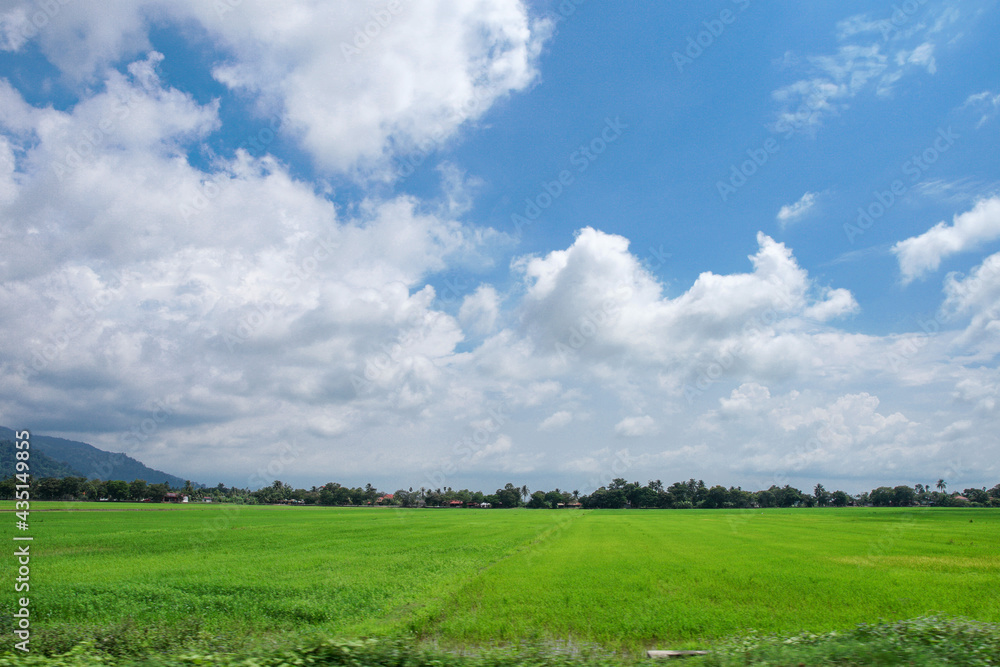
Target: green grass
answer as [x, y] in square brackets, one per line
[260, 569]
[628, 578]
[623, 581]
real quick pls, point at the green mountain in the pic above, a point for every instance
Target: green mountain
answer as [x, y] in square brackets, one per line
[39, 465]
[90, 461]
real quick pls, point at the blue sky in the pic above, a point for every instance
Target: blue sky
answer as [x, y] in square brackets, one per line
[222, 258]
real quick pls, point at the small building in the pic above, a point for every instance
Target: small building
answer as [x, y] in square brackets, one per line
[456, 503]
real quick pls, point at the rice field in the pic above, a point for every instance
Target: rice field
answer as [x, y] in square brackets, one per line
[625, 580]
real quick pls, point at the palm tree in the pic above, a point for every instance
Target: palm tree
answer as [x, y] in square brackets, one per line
[941, 485]
[524, 492]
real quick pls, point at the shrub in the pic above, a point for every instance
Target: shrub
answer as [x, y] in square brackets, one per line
[924, 641]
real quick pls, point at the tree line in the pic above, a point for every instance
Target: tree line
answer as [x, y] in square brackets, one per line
[620, 493]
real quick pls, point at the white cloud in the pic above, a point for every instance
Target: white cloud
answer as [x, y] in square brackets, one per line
[80, 38]
[922, 254]
[861, 24]
[873, 53]
[479, 310]
[790, 213]
[596, 299]
[355, 347]
[796, 433]
[276, 329]
[635, 427]
[922, 55]
[353, 100]
[986, 104]
[979, 393]
[838, 78]
[459, 189]
[591, 313]
[747, 397]
[147, 284]
[495, 450]
[837, 303]
[956, 192]
[556, 421]
[978, 297]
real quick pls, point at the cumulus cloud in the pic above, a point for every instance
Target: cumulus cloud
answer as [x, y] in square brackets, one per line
[232, 296]
[594, 305]
[796, 433]
[273, 331]
[836, 303]
[81, 39]
[354, 83]
[922, 254]
[746, 397]
[351, 344]
[479, 310]
[978, 297]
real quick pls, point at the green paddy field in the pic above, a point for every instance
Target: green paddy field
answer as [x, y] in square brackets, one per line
[622, 580]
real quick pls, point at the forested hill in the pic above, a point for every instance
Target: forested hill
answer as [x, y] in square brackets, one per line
[39, 465]
[85, 460]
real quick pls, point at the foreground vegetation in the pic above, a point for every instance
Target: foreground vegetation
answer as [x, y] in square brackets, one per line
[240, 578]
[921, 642]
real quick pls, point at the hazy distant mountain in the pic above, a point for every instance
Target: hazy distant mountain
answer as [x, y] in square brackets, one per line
[88, 461]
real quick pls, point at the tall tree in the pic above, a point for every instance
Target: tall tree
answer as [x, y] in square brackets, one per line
[903, 496]
[538, 501]
[157, 492]
[881, 497]
[137, 489]
[117, 489]
[509, 496]
[717, 497]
